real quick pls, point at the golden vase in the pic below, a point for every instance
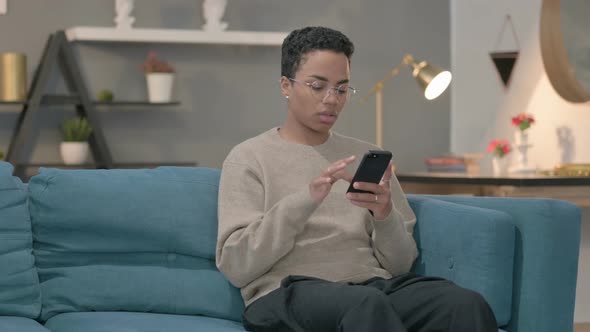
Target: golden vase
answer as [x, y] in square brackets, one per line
[13, 77]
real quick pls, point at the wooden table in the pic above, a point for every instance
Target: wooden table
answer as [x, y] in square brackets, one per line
[572, 189]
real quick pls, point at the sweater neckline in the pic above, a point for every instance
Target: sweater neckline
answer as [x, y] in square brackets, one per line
[274, 133]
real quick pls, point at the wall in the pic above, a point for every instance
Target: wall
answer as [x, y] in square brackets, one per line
[481, 108]
[230, 93]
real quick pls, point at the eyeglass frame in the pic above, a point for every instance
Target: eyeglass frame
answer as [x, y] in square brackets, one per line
[350, 90]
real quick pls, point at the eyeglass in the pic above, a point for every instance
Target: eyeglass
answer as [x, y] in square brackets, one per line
[321, 90]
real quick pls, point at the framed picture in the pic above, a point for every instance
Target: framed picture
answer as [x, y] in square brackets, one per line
[3, 7]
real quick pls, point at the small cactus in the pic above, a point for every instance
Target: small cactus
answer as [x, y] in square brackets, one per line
[76, 130]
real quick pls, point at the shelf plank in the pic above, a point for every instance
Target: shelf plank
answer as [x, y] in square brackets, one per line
[134, 103]
[74, 100]
[178, 36]
[11, 102]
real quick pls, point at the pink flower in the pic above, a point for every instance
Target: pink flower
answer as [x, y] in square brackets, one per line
[523, 121]
[499, 147]
[153, 64]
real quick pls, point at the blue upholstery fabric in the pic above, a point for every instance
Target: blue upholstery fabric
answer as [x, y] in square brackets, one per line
[546, 260]
[138, 322]
[129, 240]
[133, 250]
[19, 285]
[20, 324]
[471, 246]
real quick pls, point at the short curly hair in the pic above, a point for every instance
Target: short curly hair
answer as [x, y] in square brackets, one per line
[302, 41]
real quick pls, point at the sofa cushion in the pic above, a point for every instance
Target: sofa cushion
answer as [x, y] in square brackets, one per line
[138, 322]
[473, 247]
[20, 324]
[129, 240]
[19, 285]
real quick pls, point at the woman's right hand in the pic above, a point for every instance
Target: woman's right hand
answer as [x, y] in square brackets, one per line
[320, 187]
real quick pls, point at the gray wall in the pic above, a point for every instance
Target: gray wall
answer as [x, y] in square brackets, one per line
[482, 108]
[230, 93]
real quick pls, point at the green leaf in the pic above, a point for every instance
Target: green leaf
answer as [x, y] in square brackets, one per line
[76, 130]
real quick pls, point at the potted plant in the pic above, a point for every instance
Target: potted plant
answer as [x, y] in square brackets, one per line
[499, 148]
[159, 77]
[74, 147]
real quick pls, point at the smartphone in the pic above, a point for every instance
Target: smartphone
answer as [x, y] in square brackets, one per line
[371, 169]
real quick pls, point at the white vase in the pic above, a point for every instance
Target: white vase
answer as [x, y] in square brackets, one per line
[159, 87]
[213, 11]
[500, 165]
[522, 145]
[74, 153]
[123, 9]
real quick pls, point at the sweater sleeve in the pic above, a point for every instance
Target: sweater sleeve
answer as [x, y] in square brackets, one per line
[250, 240]
[393, 243]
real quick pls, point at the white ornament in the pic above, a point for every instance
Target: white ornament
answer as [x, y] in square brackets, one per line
[123, 9]
[213, 11]
[566, 142]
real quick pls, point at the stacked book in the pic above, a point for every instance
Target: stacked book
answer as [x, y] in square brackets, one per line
[449, 164]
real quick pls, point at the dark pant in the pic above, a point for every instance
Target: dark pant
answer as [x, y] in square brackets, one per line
[408, 302]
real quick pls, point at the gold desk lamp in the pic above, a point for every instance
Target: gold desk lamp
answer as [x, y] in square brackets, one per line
[432, 79]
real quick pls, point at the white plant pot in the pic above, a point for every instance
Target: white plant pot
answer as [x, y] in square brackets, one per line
[159, 87]
[74, 153]
[500, 165]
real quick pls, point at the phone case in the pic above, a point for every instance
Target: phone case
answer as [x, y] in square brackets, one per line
[371, 168]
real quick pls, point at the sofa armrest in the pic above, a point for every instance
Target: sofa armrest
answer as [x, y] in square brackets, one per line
[470, 246]
[546, 259]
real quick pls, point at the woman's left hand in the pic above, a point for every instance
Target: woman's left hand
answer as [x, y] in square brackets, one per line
[379, 198]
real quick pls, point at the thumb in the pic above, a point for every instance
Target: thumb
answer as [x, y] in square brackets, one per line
[388, 172]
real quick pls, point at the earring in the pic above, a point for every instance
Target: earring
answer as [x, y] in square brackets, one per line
[287, 97]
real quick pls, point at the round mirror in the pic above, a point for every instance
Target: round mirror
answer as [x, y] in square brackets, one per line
[565, 47]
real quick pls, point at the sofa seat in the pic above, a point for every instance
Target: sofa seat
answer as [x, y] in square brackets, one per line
[20, 324]
[138, 322]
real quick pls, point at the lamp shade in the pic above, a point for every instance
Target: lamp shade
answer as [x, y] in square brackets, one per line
[432, 79]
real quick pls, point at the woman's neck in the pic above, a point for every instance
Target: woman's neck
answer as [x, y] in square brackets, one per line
[302, 135]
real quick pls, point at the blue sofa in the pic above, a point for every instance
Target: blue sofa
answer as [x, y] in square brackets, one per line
[133, 250]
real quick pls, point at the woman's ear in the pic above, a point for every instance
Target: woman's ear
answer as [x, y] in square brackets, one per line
[285, 86]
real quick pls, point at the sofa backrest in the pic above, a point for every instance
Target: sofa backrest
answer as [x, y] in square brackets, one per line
[19, 285]
[129, 240]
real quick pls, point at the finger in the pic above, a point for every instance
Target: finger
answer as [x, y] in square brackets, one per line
[388, 173]
[333, 169]
[364, 197]
[363, 204]
[344, 175]
[322, 181]
[372, 187]
[338, 166]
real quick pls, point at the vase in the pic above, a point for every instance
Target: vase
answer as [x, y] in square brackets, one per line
[13, 77]
[159, 87]
[522, 145]
[213, 11]
[123, 9]
[499, 165]
[74, 153]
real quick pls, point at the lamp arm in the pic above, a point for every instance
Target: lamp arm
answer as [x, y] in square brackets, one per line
[408, 60]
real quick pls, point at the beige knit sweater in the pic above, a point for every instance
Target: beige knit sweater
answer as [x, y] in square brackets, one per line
[270, 228]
